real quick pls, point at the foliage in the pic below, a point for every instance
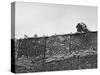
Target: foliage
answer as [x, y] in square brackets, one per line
[82, 27]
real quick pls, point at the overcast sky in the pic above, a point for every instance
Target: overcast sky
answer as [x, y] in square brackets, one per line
[48, 19]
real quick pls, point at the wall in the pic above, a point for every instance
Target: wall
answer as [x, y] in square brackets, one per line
[57, 45]
[66, 44]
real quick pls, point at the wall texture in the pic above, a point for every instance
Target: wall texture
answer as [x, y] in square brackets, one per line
[57, 45]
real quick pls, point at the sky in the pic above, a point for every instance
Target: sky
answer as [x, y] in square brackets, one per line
[49, 19]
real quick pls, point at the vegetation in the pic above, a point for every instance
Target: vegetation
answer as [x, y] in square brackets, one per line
[82, 27]
[60, 52]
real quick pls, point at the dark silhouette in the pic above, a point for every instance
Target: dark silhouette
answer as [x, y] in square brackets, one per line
[25, 36]
[82, 27]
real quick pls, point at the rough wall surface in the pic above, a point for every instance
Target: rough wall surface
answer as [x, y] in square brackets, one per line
[64, 45]
[57, 46]
[85, 41]
[31, 47]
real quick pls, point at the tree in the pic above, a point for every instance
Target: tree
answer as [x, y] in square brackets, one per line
[82, 27]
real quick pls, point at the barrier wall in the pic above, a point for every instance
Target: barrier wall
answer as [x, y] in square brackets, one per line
[57, 45]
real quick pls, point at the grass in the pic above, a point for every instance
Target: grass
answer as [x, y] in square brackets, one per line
[87, 60]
